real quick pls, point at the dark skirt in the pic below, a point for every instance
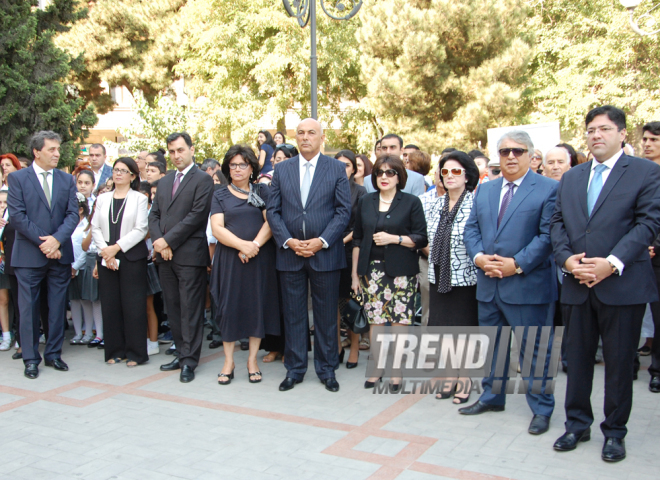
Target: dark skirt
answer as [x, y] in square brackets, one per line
[345, 275]
[4, 282]
[75, 287]
[89, 286]
[388, 299]
[153, 282]
[456, 308]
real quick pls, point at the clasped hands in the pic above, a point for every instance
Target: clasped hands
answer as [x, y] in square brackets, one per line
[108, 254]
[496, 266]
[248, 250]
[305, 248]
[589, 271]
[161, 247]
[50, 247]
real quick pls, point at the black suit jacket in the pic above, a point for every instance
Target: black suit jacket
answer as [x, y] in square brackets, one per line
[623, 223]
[182, 220]
[404, 218]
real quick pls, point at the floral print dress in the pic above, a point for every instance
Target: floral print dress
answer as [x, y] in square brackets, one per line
[388, 299]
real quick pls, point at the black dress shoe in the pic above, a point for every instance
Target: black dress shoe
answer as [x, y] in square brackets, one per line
[614, 449]
[350, 365]
[369, 384]
[215, 344]
[209, 336]
[480, 407]
[341, 355]
[31, 371]
[539, 425]
[17, 356]
[173, 365]
[654, 385]
[245, 346]
[187, 374]
[57, 364]
[569, 441]
[288, 384]
[170, 351]
[331, 384]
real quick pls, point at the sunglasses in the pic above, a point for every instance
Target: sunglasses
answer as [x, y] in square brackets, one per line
[388, 173]
[456, 172]
[517, 152]
[495, 171]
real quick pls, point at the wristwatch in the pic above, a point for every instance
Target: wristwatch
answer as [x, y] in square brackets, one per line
[400, 239]
[518, 269]
[615, 271]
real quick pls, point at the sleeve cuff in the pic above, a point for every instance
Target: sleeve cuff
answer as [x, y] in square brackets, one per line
[325, 244]
[474, 260]
[616, 262]
[287, 241]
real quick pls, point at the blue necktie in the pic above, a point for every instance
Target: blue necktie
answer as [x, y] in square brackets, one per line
[595, 187]
[307, 181]
[506, 200]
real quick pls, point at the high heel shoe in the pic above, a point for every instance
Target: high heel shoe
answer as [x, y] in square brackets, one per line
[369, 384]
[254, 374]
[341, 355]
[461, 400]
[228, 377]
[350, 365]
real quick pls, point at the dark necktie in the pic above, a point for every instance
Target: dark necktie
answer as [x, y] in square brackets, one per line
[177, 182]
[505, 202]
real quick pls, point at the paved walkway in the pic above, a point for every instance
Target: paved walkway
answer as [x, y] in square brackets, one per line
[109, 422]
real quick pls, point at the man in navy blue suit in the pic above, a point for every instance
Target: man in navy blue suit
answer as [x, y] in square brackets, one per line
[607, 214]
[308, 211]
[43, 209]
[102, 171]
[508, 236]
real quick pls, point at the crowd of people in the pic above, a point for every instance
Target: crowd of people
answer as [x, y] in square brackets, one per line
[528, 239]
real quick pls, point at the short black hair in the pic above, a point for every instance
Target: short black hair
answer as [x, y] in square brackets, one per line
[448, 150]
[652, 127]
[153, 184]
[145, 187]
[410, 145]
[571, 153]
[351, 156]
[176, 135]
[248, 155]
[221, 177]
[38, 140]
[159, 156]
[160, 166]
[393, 135]
[209, 163]
[467, 162]
[616, 115]
[133, 168]
[289, 150]
[396, 164]
[377, 143]
[97, 145]
[476, 154]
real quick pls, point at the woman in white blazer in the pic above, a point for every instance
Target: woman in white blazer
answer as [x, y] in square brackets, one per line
[119, 227]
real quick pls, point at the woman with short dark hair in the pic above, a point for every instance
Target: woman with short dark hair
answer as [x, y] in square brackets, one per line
[452, 274]
[389, 229]
[119, 227]
[243, 279]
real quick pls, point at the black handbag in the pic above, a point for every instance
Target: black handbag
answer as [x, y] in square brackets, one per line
[354, 316]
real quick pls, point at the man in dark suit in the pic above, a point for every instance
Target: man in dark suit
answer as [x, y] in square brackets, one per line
[102, 171]
[308, 211]
[177, 223]
[508, 236]
[606, 217]
[43, 209]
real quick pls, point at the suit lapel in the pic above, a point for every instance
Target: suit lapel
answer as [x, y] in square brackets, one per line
[583, 187]
[494, 200]
[37, 185]
[620, 168]
[395, 202]
[319, 175]
[57, 186]
[295, 178]
[184, 182]
[524, 189]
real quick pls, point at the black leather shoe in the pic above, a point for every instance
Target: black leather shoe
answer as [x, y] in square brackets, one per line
[170, 351]
[480, 407]
[614, 449]
[31, 371]
[331, 384]
[539, 425]
[654, 385]
[173, 365]
[288, 384]
[215, 344]
[369, 384]
[209, 336]
[17, 356]
[187, 374]
[569, 441]
[57, 364]
[245, 346]
[350, 365]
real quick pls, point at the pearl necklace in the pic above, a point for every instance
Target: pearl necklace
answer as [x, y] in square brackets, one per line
[112, 210]
[384, 201]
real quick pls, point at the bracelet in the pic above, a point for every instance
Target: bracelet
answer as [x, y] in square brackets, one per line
[256, 243]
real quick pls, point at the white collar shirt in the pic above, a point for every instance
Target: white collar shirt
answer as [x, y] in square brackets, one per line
[609, 163]
[302, 162]
[516, 183]
[39, 171]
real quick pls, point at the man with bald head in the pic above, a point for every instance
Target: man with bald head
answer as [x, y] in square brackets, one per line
[308, 211]
[557, 162]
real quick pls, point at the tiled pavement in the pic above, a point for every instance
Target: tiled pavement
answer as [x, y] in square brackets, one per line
[109, 422]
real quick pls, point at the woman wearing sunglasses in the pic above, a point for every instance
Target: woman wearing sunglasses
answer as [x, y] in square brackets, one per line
[452, 275]
[389, 229]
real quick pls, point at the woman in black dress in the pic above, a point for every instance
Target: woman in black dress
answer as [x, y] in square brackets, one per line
[243, 280]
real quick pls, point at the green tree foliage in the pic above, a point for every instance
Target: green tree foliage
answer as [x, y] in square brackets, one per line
[441, 72]
[127, 43]
[33, 95]
[586, 55]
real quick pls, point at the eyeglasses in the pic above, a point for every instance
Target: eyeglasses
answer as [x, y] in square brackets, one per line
[120, 171]
[604, 129]
[456, 172]
[234, 166]
[536, 157]
[517, 152]
[388, 173]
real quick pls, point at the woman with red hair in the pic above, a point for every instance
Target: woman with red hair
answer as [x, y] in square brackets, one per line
[9, 163]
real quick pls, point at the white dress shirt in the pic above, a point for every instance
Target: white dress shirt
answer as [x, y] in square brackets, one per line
[97, 176]
[40, 177]
[184, 171]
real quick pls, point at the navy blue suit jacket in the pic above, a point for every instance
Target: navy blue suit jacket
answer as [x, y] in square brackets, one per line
[623, 223]
[106, 172]
[32, 218]
[523, 234]
[326, 214]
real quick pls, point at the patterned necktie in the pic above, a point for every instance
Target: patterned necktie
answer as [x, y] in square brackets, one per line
[46, 186]
[505, 202]
[595, 187]
[177, 182]
[307, 180]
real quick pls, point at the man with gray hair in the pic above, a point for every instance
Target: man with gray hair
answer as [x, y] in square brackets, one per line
[508, 236]
[557, 161]
[210, 166]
